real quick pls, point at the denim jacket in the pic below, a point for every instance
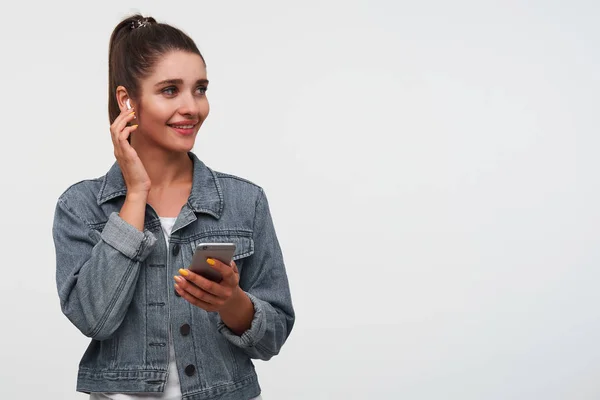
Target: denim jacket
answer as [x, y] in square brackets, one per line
[115, 284]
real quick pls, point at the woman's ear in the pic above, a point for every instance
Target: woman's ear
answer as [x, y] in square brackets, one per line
[123, 99]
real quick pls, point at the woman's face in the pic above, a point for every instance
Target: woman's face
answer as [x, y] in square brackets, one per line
[173, 103]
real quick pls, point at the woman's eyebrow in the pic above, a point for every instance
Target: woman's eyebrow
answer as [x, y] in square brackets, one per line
[180, 82]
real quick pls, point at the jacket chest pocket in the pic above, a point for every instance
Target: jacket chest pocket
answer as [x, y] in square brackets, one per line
[244, 245]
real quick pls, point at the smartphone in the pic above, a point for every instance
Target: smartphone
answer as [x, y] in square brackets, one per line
[220, 251]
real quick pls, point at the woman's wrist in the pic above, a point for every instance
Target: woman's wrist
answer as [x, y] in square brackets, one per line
[138, 196]
[134, 209]
[239, 313]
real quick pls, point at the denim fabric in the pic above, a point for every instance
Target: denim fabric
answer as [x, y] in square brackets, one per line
[115, 285]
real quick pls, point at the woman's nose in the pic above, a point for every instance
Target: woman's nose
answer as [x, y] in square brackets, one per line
[189, 105]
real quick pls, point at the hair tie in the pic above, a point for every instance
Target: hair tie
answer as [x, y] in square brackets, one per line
[139, 23]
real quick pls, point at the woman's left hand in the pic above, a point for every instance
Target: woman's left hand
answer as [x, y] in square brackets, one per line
[206, 294]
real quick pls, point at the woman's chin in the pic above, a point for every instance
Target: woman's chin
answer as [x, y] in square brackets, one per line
[182, 143]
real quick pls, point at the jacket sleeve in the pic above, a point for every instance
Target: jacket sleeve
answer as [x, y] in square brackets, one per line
[264, 279]
[96, 273]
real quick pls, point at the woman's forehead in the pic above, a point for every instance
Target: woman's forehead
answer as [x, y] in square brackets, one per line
[186, 66]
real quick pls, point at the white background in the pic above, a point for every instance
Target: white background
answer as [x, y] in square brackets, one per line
[432, 169]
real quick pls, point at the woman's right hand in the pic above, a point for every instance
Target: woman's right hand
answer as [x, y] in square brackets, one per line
[134, 173]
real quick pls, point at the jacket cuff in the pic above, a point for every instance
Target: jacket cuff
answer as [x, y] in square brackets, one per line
[257, 329]
[127, 239]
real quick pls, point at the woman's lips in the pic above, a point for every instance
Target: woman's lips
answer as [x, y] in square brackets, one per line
[183, 129]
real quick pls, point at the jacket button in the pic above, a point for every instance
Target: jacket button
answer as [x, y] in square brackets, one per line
[190, 370]
[176, 294]
[185, 329]
[175, 250]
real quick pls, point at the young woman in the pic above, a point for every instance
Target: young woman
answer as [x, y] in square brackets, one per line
[124, 241]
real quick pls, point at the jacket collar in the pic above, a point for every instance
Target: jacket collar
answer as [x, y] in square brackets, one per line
[206, 195]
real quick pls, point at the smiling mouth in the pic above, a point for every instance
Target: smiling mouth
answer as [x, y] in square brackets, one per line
[182, 126]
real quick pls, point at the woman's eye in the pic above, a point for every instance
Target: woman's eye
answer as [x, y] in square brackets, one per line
[202, 89]
[170, 90]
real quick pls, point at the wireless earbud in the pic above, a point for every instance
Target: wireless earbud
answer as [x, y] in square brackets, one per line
[128, 103]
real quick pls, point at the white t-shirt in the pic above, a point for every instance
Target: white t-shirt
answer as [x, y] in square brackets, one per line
[172, 388]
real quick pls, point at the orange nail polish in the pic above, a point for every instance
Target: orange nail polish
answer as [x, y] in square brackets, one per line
[210, 261]
[183, 272]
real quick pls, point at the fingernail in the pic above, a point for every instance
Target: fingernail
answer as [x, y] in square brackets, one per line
[134, 126]
[177, 279]
[183, 272]
[210, 261]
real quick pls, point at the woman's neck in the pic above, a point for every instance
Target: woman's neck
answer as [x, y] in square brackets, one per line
[166, 169]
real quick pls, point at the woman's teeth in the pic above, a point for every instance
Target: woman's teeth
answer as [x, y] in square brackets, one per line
[182, 126]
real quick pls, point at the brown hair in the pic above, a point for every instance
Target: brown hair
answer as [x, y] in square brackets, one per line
[136, 44]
